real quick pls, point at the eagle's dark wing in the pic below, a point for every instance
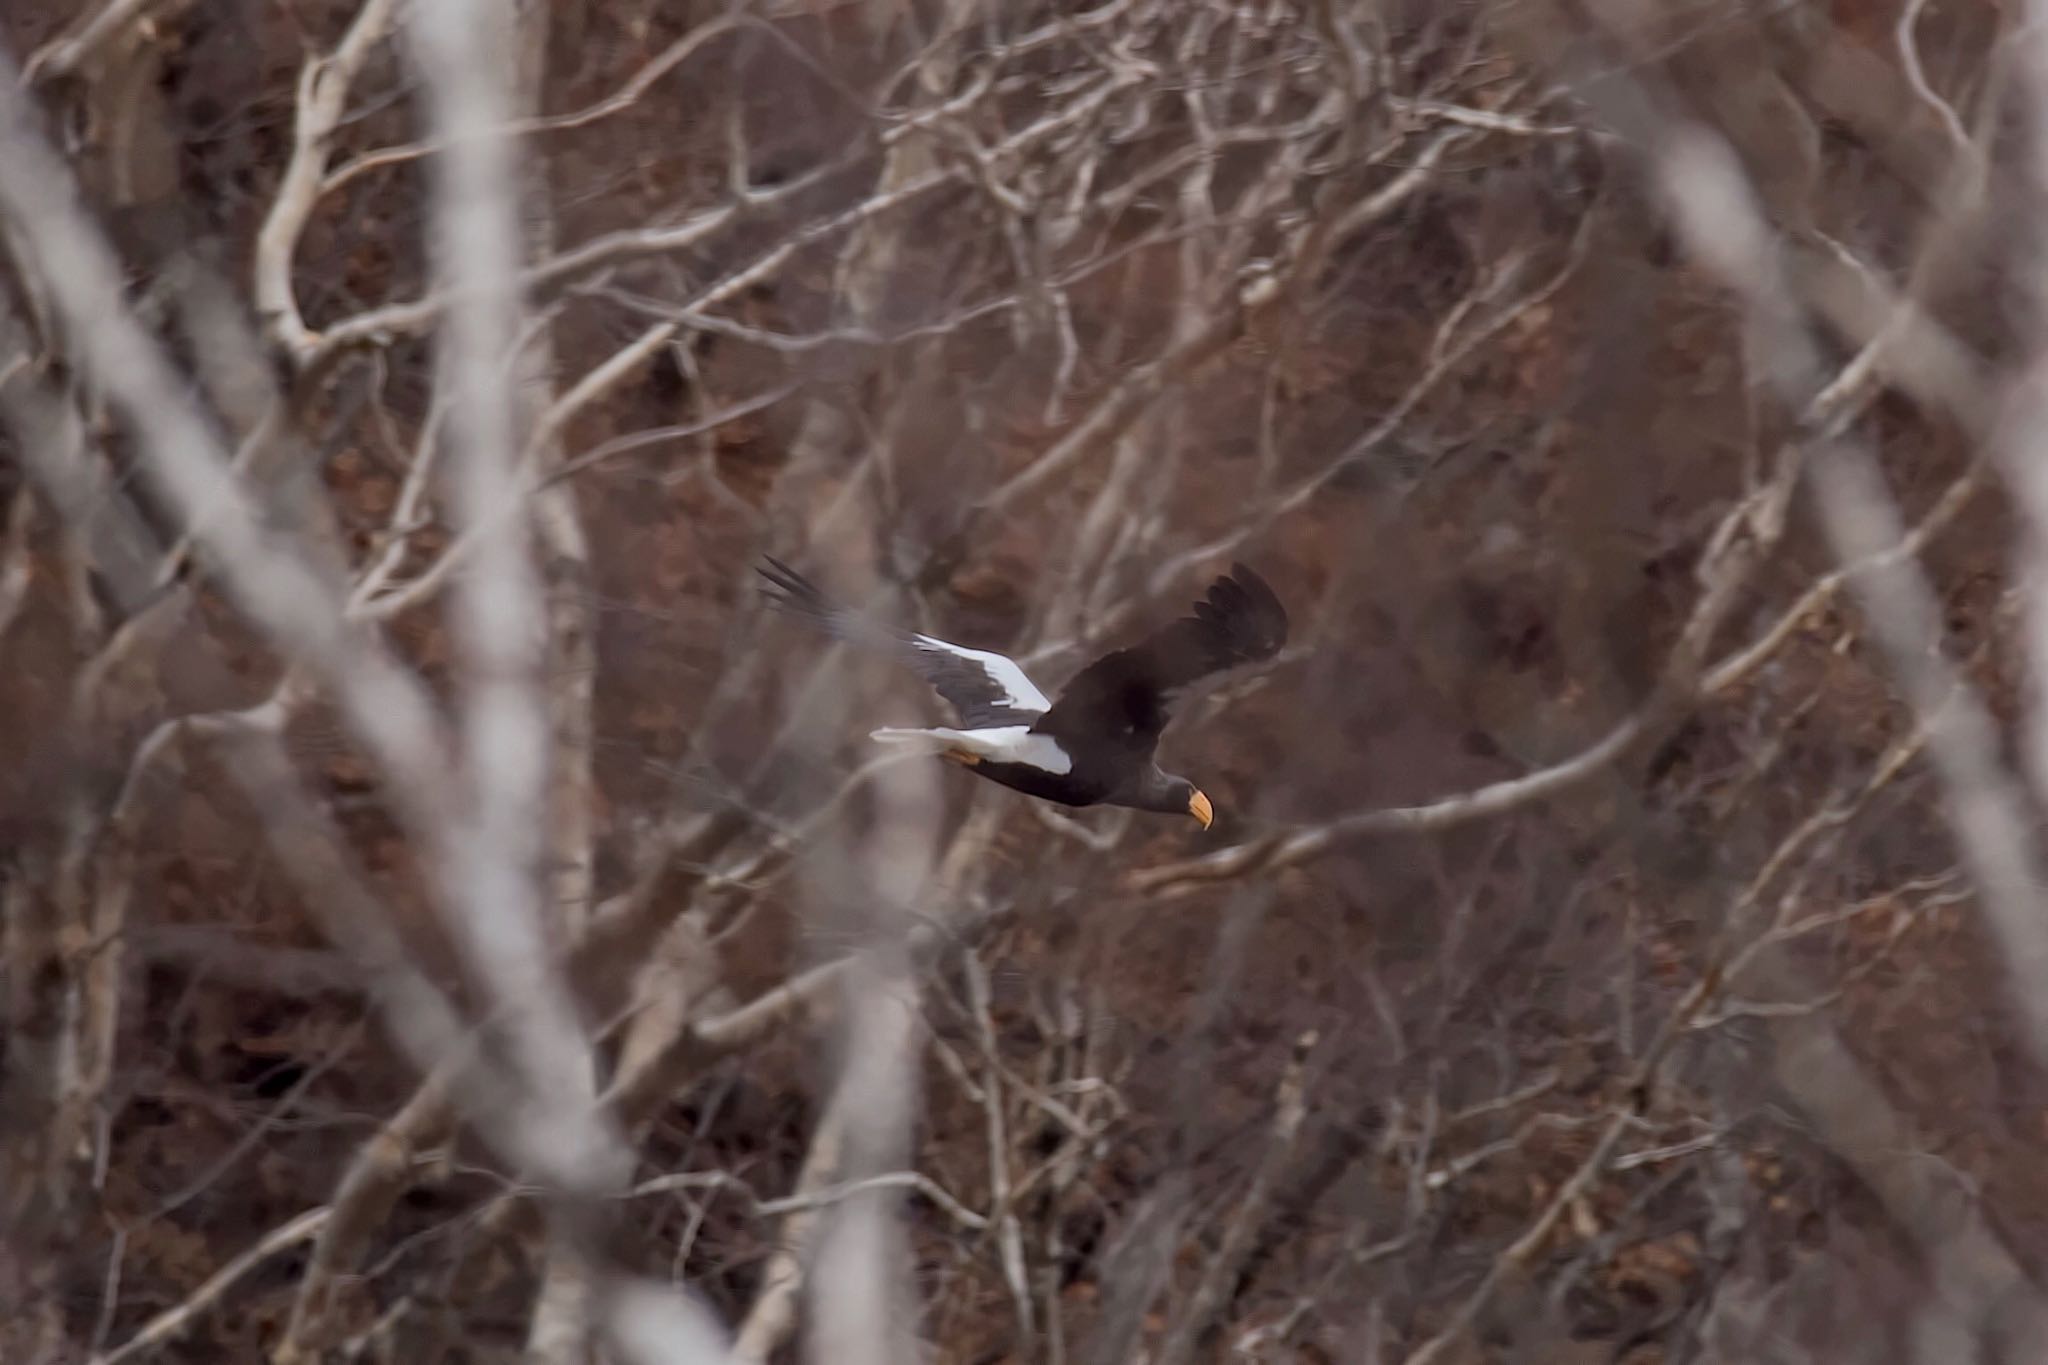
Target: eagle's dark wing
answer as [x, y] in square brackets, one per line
[986, 689]
[1122, 701]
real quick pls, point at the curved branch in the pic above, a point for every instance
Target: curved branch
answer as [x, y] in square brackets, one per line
[1744, 538]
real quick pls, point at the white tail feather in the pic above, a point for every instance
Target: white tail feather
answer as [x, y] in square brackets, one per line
[1000, 744]
[928, 739]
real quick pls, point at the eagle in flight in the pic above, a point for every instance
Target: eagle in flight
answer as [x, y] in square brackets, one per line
[1094, 745]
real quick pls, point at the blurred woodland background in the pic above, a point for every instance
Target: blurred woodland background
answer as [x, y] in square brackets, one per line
[446, 918]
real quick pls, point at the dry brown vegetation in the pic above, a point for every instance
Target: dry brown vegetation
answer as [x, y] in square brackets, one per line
[446, 918]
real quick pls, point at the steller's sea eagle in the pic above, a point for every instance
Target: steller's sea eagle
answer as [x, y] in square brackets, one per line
[1093, 746]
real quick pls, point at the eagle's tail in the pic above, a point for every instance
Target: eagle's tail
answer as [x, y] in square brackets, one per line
[933, 740]
[1008, 744]
[956, 745]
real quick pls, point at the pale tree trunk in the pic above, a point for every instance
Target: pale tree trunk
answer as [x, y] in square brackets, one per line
[560, 1330]
[64, 889]
[848, 1261]
[825, 478]
[558, 524]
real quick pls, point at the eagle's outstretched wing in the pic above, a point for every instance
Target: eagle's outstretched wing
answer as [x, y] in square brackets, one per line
[986, 689]
[1123, 700]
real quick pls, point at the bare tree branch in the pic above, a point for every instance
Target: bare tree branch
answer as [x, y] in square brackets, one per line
[169, 1324]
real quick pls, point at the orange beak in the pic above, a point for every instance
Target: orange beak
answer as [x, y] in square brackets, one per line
[1199, 807]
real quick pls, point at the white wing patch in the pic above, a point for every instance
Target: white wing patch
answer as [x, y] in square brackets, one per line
[997, 744]
[1019, 692]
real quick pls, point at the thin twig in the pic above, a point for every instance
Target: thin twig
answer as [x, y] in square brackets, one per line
[167, 1325]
